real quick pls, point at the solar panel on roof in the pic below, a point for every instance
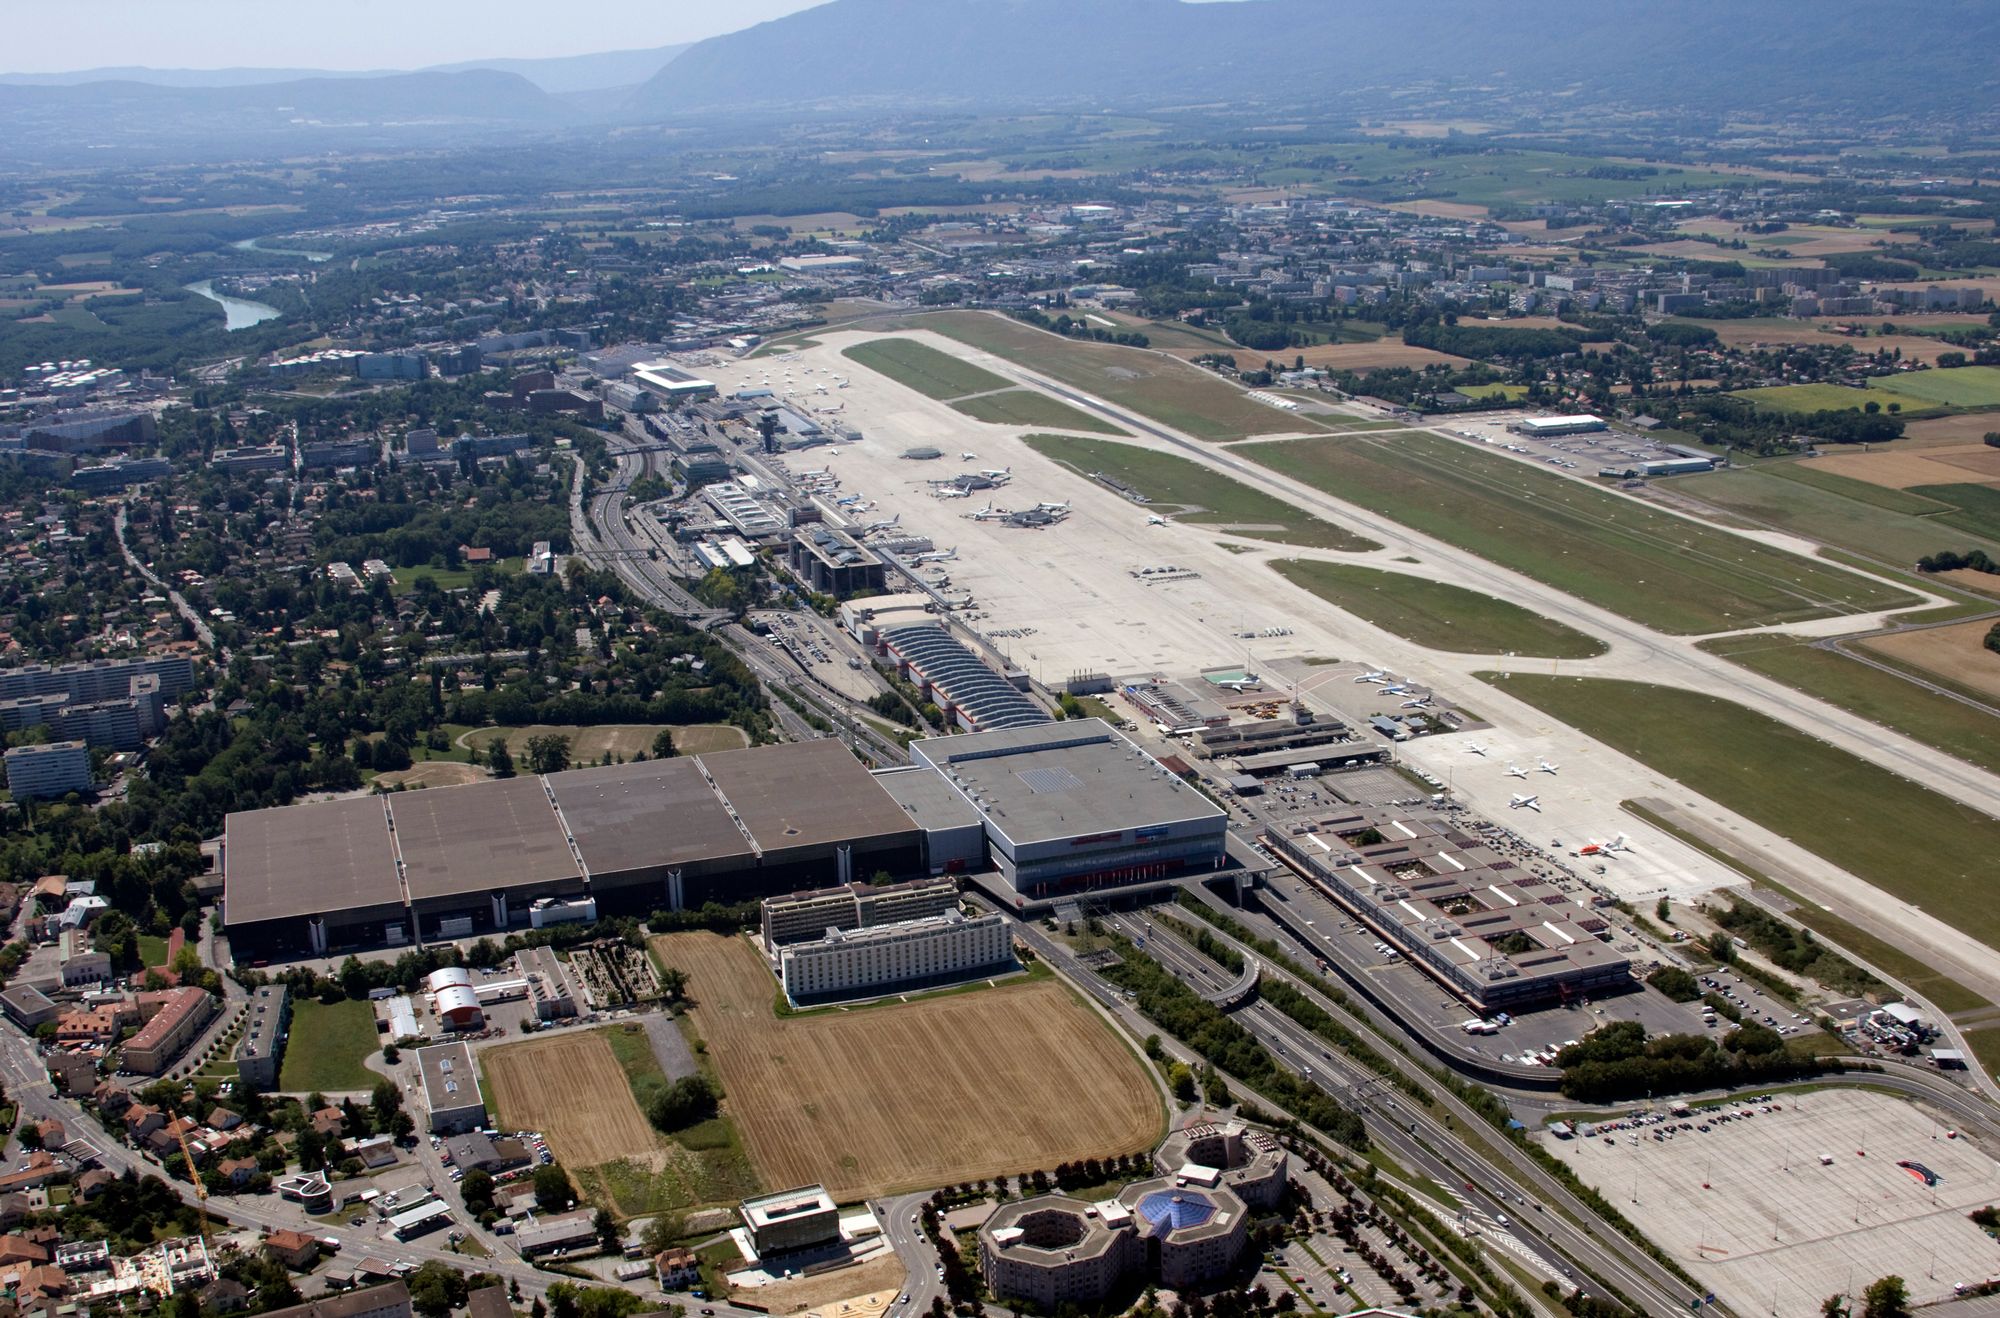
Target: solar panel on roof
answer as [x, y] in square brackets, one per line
[1049, 778]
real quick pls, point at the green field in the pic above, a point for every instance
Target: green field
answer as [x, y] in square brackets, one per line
[1977, 507]
[1437, 615]
[1026, 407]
[1950, 725]
[923, 368]
[1176, 485]
[1905, 839]
[1161, 388]
[1510, 392]
[1825, 398]
[327, 1046]
[1960, 386]
[1665, 571]
[1897, 526]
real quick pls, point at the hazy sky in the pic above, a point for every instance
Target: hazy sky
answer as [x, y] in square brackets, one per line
[44, 37]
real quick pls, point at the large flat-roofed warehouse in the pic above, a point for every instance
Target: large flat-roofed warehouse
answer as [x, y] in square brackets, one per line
[640, 825]
[497, 843]
[1492, 934]
[326, 871]
[453, 861]
[1074, 806]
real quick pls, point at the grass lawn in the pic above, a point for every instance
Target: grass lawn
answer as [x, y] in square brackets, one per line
[1441, 616]
[1985, 1045]
[1510, 392]
[152, 950]
[1162, 388]
[1897, 526]
[451, 578]
[327, 1046]
[923, 368]
[1193, 494]
[1666, 571]
[634, 1051]
[1960, 386]
[1951, 726]
[1026, 407]
[1853, 813]
[589, 744]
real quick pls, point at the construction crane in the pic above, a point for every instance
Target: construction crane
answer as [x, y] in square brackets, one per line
[200, 1190]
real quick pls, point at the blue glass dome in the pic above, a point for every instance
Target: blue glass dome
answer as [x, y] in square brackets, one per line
[1172, 1210]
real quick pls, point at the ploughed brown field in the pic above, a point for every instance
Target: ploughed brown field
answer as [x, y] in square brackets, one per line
[934, 1091]
[571, 1089]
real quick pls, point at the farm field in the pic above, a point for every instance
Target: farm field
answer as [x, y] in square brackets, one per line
[1810, 500]
[1176, 485]
[1976, 508]
[1950, 725]
[1823, 333]
[923, 368]
[327, 1047]
[1954, 656]
[1162, 388]
[1964, 429]
[1829, 398]
[573, 1088]
[1849, 811]
[1510, 392]
[1438, 615]
[1027, 407]
[1662, 570]
[1004, 1079]
[590, 743]
[1358, 357]
[1961, 386]
[1934, 463]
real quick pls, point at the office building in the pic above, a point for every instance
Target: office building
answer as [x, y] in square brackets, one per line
[799, 916]
[849, 963]
[791, 1220]
[262, 1049]
[451, 1088]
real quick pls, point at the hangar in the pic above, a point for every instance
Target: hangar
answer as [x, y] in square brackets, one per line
[449, 862]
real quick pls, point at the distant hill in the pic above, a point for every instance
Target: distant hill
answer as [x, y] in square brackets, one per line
[1704, 56]
[117, 119]
[558, 75]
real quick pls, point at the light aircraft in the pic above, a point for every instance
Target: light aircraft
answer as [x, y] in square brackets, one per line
[1474, 748]
[1533, 803]
[952, 492]
[1154, 519]
[1516, 771]
[968, 457]
[1545, 767]
[1611, 848]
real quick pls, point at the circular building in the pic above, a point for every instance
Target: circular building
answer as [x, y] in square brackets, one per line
[1192, 1236]
[1249, 1162]
[1055, 1250]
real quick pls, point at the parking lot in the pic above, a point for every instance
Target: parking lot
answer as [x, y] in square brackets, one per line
[1782, 1204]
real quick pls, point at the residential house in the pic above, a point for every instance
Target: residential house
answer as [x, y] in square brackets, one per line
[237, 1172]
[295, 1249]
[224, 1296]
[93, 1183]
[112, 1100]
[678, 1269]
[17, 1249]
[330, 1121]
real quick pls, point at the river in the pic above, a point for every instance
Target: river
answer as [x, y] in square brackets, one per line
[239, 313]
[252, 245]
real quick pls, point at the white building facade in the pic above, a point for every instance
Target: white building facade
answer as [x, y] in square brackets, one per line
[849, 962]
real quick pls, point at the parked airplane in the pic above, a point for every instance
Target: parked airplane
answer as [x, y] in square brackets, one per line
[1533, 803]
[1376, 676]
[1154, 519]
[1395, 688]
[936, 556]
[952, 492]
[848, 500]
[988, 513]
[1516, 771]
[1475, 748]
[1545, 767]
[1239, 685]
[995, 474]
[882, 525]
[1611, 848]
[1046, 507]
[968, 457]
[1421, 702]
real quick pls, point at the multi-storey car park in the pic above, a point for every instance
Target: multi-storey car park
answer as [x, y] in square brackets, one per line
[1493, 935]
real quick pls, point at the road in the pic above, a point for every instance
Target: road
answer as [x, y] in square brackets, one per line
[201, 628]
[903, 1228]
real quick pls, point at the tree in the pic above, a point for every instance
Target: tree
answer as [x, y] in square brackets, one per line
[663, 744]
[385, 1102]
[436, 1289]
[1887, 1298]
[1664, 911]
[499, 758]
[553, 1191]
[548, 753]
[683, 1103]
